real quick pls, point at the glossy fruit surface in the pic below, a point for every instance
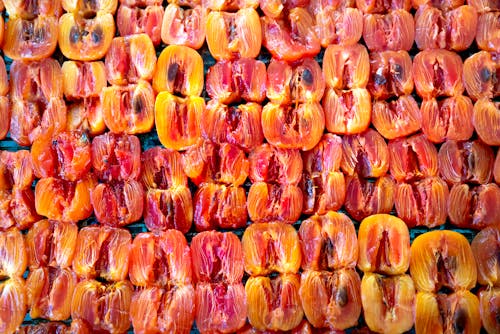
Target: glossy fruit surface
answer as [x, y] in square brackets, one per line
[161, 310]
[301, 81]
[51, 243]
[277, 250]
[274, 202]
[328, 242]
[275, 165]
[423, 202]
[347, 111]
[85, 39]
[489, 306]
[384, 245]
[238, 124]
[102, 252]
[220, 307]
[486, 113]
[103, 306]
[179, 70]
[479, 73]
[486, 247]
[442, 259]
[388, 302]
[13, 297]
[331, 299]
[14, 257]
[444, 313]
[274, 303]
[392, 31]
[219, 206]
[130, 59]
[217, 257]
[290, 37]
[184, 26]
[396, 118]
[161, 259]
[50, 291]
[137, 20]
[178, 120]
[231, 81]
[447, 119]
[390, 74]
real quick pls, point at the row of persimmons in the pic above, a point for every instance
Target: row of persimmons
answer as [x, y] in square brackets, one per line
[110, 177]
[106, 280]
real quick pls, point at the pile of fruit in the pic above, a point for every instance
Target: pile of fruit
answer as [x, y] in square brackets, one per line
[297, 145]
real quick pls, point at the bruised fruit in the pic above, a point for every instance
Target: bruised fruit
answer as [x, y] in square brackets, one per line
[365, 197]
[480, 75]
[328, 242]
[103, 306]
[388, 302]
[217, 257]
[486, 249]
[441, 313]
[384, 245]
[271, 247]
[128, 109]
[322, 184]
[102, 252]
[447, 119]
[297, 83]
[31, 39]
[390, 74]
[442, 259]
[423, 202]
[179, 70]
[274, 303]
[331, 299]
[161, 259]
[85, 39]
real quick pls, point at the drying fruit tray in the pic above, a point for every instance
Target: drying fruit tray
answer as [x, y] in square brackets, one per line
[151, 139]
